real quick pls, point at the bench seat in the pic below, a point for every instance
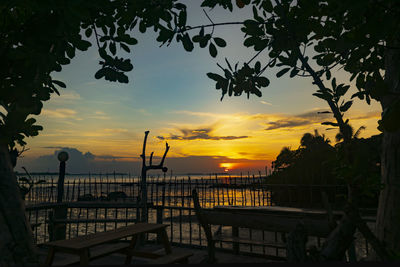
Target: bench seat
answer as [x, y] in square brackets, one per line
[95, 253]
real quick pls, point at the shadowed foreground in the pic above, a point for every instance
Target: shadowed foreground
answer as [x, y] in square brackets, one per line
[198, 256]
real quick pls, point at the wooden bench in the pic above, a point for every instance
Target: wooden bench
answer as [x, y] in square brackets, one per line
[317, 226]
[97, 245]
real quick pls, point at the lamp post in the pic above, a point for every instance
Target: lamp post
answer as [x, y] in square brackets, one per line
[62, 157]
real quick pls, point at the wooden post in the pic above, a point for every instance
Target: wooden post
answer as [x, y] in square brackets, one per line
[235, 233]
[57, 230]
[159, 219]
[62, 157]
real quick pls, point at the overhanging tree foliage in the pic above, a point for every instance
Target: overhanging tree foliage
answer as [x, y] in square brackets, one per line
[310, 38]
[38, 37]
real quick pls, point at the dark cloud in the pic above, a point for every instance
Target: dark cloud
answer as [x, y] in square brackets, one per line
[368, 115]
[113, 157]
[299, 120]
[315, 115]
[79, 162]
[287, 124]
[199, 134]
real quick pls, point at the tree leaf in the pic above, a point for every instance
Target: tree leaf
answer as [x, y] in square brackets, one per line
[59, 83]
[282, 72]
[346, 106]
[219, 41]
[88, 32]
[293, 72]
[257, 92]
[100, 73]
[125, 47]
[215, 76]
[203, 42]
[229, 65]
[263, 81]
[330, 123]
[113, 48]
[187, 43]
[320, 95]
[257, 67]
[328, 74]
[334, 84]
[212, 49]
[182, 18]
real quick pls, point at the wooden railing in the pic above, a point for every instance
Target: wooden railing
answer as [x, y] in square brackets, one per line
[184, 229]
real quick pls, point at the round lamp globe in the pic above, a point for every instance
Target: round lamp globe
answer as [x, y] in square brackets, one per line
[62, 156]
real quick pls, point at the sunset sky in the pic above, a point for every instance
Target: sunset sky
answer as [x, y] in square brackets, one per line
[102, 124]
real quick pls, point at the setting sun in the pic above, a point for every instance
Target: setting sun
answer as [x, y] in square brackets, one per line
[227, 166]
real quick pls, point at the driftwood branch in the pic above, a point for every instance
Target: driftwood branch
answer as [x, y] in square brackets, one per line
[143, 156]
[339, 240]
[151, 166]
[376, 244]
[145, 168]
[151, 158]
[165, 153]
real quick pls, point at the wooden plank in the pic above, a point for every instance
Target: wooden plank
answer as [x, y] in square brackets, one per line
[239, 240]
[278, 210]
[69, 221]
[178, 256]
[91, 240]
[266, 222]
[104, 204]
[95, 253]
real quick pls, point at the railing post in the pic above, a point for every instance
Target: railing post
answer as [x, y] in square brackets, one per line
[57, 229]
[235, 233]
[159, 219]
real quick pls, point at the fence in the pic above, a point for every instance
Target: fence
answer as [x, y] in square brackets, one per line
[242, 190]
[171, 204]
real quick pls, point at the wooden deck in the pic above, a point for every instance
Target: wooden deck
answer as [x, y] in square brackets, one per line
[197, 258]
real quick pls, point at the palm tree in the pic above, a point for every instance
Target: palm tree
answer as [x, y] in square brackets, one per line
[309, 140]
[349, 130]
[285, 158]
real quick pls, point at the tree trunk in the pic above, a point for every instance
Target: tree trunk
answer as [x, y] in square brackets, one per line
[388, 217]
[16, 239]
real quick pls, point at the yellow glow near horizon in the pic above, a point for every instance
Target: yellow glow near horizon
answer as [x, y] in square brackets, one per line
[227, 166]
[235, 136]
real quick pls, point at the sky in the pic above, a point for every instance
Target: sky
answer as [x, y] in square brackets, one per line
[101, 124]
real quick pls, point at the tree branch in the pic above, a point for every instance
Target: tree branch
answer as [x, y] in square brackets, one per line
[320, 84]
[96, 35]
[212, 32]
[211, 25]
[165, 153]
[143, 156]
[151, 158]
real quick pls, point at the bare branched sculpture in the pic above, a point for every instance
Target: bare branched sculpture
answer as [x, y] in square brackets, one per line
[145, 168]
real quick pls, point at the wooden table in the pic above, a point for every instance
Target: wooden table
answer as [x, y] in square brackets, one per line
[368, 215]
[83, 244]
[279, 210]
